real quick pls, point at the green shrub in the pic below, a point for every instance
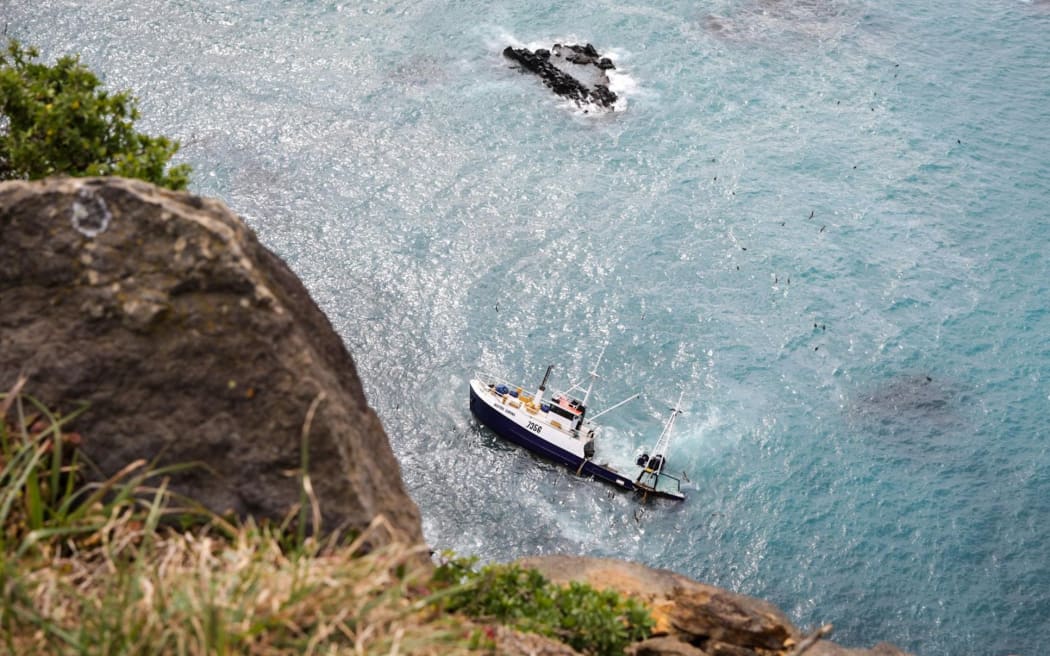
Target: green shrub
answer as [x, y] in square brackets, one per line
[600, 622]
[58, 120]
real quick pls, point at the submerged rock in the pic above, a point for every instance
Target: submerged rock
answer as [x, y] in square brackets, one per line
[915, 415]
[575, 72]
[190, 342]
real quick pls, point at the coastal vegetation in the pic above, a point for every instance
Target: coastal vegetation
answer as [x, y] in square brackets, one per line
[58, 119]
[124, 566]
[588, 620]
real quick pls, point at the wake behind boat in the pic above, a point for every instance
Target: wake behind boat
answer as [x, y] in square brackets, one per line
[559, 429]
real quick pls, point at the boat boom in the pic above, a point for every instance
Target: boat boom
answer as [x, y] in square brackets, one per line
[665, 437]
[629, 398]
[594, 374]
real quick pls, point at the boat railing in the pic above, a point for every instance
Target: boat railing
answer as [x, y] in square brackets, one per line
[660, 482]
[545, 409]
[494, 381]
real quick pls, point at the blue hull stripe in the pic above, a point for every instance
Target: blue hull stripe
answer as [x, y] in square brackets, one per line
[509, 430]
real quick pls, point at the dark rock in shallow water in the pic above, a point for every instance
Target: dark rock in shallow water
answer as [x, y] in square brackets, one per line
[575, 72]
[908, 404]
[191, 342]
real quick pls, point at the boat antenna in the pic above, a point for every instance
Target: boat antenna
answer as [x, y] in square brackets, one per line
[594, 374]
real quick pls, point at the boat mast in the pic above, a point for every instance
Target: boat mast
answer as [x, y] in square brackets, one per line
[660, 450]
[594, 374]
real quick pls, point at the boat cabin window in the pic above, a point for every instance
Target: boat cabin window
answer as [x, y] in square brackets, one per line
[569, 403]
[558, 410]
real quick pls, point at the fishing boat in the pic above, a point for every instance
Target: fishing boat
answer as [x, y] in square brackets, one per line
[557, 426]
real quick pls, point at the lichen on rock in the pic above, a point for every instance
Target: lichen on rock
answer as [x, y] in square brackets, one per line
[89, 214]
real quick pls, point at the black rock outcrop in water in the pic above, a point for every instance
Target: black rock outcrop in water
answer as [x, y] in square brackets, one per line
[571, 71]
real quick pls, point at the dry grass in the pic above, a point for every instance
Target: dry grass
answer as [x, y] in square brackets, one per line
[97, 570]
[191, 593]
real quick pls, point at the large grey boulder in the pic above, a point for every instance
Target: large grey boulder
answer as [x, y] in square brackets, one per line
[191, 342]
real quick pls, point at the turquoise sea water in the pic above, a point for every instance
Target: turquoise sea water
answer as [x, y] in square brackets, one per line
[867, 390]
